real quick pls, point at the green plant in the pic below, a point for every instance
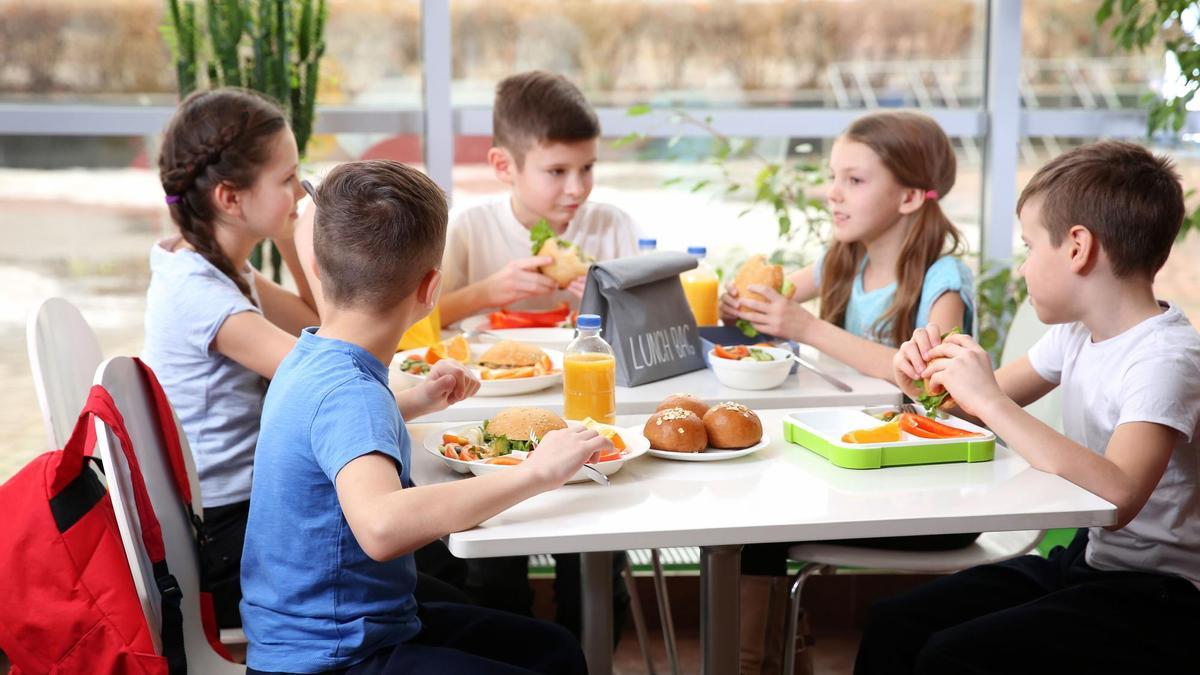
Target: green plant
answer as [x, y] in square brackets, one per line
[1000, 291]
[271, 46]
[1142, 23]
[780, 185]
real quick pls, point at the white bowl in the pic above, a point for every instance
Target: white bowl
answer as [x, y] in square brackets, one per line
[546, 338]
[752, 374]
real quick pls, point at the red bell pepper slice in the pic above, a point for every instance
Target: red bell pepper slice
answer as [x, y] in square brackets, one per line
[925, 427]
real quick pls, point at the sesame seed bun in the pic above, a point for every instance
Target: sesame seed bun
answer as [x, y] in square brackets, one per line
[515, 423]
[676, 430]
[757, 271]
[511, 354]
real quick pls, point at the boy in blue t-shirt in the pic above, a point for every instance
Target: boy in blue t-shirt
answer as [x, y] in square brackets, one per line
[327, 569]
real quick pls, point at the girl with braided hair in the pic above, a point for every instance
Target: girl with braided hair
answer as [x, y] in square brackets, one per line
[215, 328]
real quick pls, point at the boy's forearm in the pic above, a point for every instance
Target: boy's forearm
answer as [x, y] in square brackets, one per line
[461, 303]
[412, 517]
[1048, 450]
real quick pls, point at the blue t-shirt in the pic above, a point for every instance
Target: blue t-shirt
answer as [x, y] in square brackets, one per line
[312, 600]
[947, 274]
[218, 400]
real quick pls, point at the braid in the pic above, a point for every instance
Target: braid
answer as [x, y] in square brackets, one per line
[219, 137]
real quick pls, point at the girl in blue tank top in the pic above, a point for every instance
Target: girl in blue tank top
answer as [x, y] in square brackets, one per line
[891, 266]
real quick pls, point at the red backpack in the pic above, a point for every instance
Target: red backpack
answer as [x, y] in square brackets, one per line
[68, 603]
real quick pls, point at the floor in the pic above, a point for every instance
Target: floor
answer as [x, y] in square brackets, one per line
[833, 653]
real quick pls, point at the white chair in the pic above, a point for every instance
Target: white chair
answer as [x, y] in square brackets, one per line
[63, 354]
[123, 380]
[990, 547]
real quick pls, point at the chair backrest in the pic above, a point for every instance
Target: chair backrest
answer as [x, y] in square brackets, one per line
[63, 354]
[1026, 330]
[124, 382]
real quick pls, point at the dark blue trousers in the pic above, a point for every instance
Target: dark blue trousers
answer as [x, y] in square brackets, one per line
[466, 639]
[1035, 615]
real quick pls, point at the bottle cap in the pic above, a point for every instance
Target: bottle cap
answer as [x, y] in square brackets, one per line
[647, 243]
[697, 250]
[588, 322]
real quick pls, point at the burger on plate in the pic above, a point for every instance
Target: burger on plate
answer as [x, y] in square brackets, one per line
[514, 426]
[510, 359]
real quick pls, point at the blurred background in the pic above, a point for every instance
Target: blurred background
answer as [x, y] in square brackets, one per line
[85, 88]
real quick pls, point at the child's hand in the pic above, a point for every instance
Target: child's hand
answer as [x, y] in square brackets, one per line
[561, 453]
[578, 284]
[778, 316]
[961, 366]
[519, 279]
[447, 383]
[913, 357]
[729, 304]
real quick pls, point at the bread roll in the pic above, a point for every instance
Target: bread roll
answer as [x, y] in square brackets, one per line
[685, 401]
[515, 423]
[757, 271]
[511, 354]
[732, 426]
[676, 430]
[567, 265]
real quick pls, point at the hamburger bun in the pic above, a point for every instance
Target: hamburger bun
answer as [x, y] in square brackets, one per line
[757, 271]
[567, 265]
[511, 354]
[676, 430]
[515, 423]
[685, 401]
[732, 426]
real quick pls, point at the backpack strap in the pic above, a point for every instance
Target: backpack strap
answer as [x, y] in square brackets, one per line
[100, 405]
[169, 432]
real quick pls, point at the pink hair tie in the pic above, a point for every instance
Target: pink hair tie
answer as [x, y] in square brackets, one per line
[931, 194]
[173, 199]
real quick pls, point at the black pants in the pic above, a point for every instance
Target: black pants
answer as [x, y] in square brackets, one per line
[503, 583]
[222, 560]
[770, 560]
[1034, 615]
[464, 639]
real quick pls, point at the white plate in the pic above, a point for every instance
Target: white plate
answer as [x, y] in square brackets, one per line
[711, 454]
[636, 445]
[522, 385]
[546, 338]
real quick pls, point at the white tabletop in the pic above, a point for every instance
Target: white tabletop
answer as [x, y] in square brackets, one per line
[802, 389]
[781, 493]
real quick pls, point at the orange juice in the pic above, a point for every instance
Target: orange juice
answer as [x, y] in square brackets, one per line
[589, 387]
[701, 291]
[424, 333]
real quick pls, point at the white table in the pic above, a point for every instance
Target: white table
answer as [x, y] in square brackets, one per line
[782, 493]
[802, 389]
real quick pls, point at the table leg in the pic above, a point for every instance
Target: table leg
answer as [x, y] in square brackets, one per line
[596, 573]
[719, 608]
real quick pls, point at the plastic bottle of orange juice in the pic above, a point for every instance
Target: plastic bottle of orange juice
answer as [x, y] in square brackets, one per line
[589, 374]
[701, 286]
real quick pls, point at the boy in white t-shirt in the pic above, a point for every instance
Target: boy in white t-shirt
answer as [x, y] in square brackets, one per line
[1099, 222]
[545, 136]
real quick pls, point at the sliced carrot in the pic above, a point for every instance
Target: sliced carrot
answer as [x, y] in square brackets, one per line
[503, 461]
[931, 426]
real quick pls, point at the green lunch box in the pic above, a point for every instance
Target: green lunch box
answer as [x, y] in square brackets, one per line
[821, 429]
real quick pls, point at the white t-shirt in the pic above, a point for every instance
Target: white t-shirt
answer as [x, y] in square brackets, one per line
[484, 238]
[218, 400]
[1149, 373]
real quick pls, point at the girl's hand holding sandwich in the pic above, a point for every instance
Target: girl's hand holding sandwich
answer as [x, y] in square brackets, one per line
[775, 314]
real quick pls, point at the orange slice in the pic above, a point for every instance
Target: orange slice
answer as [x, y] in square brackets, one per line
[887, 433]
